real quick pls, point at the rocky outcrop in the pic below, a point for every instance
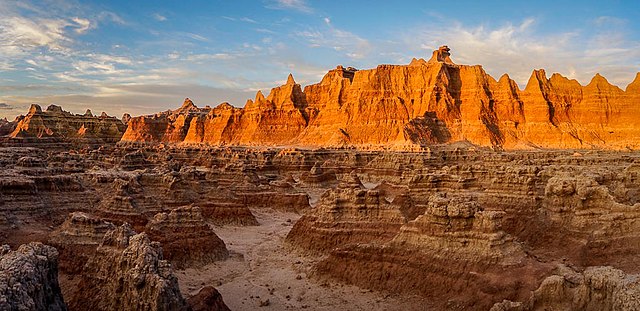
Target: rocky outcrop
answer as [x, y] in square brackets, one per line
[456, 251]
[580, 208]
[6, 127]
[55, 125]
[442, 55]
[29, 278]
[207, 299]
[409, 107]
[597, 288]
[77, 239]
[345, 215]
[186, 239]
[127, 272]
[274, 120]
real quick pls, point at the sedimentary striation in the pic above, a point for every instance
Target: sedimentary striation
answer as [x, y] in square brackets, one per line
[469, 228]
[56, 126]
[489, 225]
[412, 106]
[186, 238]
[77, 239]
[597, 288]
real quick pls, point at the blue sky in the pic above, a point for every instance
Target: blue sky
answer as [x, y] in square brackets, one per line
[144, 56]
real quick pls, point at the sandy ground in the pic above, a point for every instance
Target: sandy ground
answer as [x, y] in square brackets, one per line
[264, 274]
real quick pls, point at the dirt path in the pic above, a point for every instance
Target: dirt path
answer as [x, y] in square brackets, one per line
[262, 273]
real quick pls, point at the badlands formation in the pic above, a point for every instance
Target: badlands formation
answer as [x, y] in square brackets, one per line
[428, 186]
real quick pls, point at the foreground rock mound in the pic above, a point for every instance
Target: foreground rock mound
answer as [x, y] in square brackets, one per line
[345, 215]
[186, 239]
[595, 289]
[208, 299]
[29, 278]
[128, 273]
[77, 239]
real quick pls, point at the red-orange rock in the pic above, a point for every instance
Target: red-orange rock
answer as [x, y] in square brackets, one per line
[414, 106]
[55, 123]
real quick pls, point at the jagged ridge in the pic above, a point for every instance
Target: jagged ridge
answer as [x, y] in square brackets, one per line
[409, 106]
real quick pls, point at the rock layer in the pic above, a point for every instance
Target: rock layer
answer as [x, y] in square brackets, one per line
[186, 239]
[486, 225]
[597, 288]
[55, 125]
[411, 107]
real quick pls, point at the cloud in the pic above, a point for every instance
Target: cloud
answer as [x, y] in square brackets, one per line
[196, 37]
[248, 20]
[342, 41]
[297, 5]
[159, 17]
[134, 99]
[518, 48]
[241, 19]
[82, 24]
[20, 35]
[25, 28]
[106, 16]
[208, 57]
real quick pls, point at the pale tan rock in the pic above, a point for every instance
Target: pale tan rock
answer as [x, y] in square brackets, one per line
[128, 272]
[596, 288]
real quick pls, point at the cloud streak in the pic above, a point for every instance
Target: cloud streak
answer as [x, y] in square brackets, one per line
[342, 41]
[296, 5]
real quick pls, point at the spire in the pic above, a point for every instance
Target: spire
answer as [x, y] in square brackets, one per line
[35, 108]
[634, 86]
[187, 103]
[259, 97]
[537, 76]
[290, 80]
[441, 55]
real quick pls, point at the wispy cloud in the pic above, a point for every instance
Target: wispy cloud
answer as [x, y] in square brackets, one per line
[297, 5]
[135, 99]
[241, 19]
[20, 35]
[110, 17]
[159, 17]
[83, 24]
[518, 48]
[342, 41]
[196, 37]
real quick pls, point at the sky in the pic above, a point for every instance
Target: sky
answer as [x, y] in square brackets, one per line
[145, 56]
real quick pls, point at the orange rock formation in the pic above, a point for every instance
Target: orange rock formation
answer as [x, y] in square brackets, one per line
[55, 123]
[412, 106]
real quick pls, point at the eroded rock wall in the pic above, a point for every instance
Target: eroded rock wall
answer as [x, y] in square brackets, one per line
[29, 278]
[409, 107]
